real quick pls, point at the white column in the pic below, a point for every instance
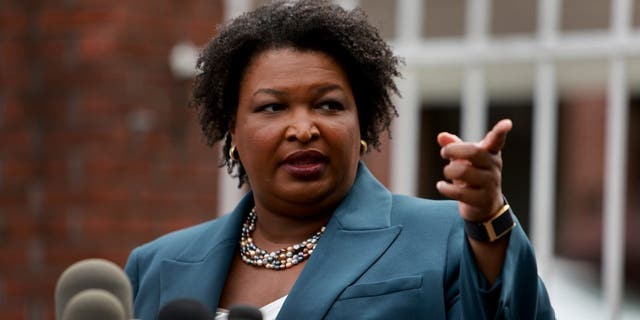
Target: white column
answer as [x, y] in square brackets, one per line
[234, 8]
[474, 104]
[228, 193]
[348, 4]
[615, 188]
[405, 145]
[543, 162]
[473, 122]
[409, 20]
[477, 20]
[406, 133]
[615, 164]
[543, 173]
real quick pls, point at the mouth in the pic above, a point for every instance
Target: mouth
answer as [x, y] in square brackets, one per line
[305, 164]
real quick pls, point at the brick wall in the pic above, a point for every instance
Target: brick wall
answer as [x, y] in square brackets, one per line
[98, 152]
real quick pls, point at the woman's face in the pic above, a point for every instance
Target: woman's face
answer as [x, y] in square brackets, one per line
[296, 129]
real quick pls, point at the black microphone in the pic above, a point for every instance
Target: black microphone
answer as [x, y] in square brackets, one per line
[93, 274]
[244, 312]
[92, 304]
[184, 309]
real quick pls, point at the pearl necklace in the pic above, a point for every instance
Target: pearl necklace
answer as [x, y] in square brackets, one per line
[281, 259]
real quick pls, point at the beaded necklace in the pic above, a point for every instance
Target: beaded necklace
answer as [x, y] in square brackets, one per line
[281, 259]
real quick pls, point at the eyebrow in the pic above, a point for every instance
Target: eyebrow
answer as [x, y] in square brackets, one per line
[320, 90]
[269, 91]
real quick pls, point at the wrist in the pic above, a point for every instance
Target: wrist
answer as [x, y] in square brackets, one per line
[497, 226]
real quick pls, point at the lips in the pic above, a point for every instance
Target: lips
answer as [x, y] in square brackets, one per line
[305, 157]
[305, 164]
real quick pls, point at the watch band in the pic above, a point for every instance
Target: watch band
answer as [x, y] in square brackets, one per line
[493, 229]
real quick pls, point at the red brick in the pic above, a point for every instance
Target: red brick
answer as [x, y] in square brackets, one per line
[16, 143]
[56, 21]
[14, 116]
[16, 288]
[20, 227]
[106, 187]
[13, 25]
[14, 58]
[59, 257]
[17, 173]
[13, 311]
[12, 258]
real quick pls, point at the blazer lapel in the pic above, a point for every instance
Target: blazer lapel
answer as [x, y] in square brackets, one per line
[355, 237]
[199, 272]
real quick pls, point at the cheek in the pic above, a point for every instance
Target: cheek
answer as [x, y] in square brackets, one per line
[353, 126]
[345, 136]
[263, 136]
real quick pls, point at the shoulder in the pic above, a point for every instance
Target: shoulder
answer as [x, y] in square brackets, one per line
[424, 211]
[173, 244]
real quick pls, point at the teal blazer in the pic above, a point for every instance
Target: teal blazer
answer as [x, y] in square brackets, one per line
[382, 256]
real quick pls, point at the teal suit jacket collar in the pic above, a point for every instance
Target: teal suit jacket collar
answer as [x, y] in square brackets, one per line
[356, 236]
[201, 269]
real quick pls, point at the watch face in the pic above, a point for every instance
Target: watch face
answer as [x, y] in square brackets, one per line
[500, 225]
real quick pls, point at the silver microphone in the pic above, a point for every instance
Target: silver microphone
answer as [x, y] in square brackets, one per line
[93, 274]
[94, 304]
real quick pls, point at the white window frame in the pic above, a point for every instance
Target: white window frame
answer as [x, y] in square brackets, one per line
[473, 53]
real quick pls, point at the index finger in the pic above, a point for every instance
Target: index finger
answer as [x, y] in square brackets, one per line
[445, 138]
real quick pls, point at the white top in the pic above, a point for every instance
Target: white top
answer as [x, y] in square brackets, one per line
[269, 312]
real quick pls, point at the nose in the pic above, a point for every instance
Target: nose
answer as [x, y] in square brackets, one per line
[302, 127]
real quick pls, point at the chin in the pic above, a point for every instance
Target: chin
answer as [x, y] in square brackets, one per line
[306, 192]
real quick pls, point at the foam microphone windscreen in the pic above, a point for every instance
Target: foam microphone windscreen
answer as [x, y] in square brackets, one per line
[184, 309]
[244, 312]
[94, 304]
[93, 274]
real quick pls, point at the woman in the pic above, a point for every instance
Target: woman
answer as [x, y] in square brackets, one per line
[298, 91]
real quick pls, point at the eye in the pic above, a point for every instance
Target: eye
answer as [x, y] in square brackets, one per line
[331, 106]
[272, 107]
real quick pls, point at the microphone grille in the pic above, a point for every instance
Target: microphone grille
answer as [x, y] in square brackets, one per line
[93, 304]
[93, 274]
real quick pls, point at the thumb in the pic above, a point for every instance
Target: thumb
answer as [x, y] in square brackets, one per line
[495, 139]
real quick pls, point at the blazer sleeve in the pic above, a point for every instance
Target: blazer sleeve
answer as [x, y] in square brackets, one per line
[517, 293]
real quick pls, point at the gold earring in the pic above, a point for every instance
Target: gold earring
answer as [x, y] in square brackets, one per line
[233, 153]
[363, 146]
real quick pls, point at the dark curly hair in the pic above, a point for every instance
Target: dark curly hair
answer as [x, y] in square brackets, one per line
[315, 25]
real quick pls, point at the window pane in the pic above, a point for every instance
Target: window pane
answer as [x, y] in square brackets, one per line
[636, 13]
[443, 18]
[381, 15]
[513, 17]
[516, 155]
[580, 172]
[632, 252]
[435, 118]
[582, 15]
